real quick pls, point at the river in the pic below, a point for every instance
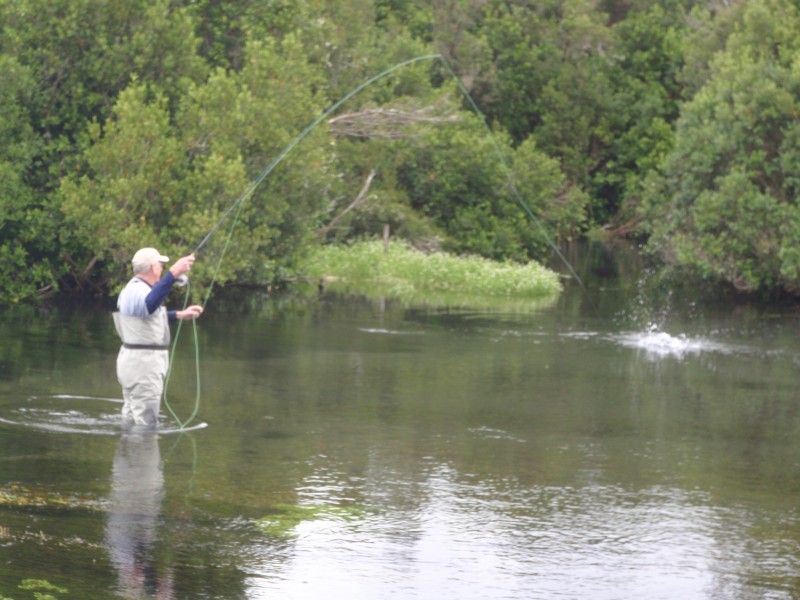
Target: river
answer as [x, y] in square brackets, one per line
[630, 440]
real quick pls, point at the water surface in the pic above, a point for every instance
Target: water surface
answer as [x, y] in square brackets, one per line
[627, 442]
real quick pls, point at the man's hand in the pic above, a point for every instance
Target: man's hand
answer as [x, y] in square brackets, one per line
[182, 265]
[190, 312]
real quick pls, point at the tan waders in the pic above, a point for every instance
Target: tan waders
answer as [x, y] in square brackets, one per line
[142, 365]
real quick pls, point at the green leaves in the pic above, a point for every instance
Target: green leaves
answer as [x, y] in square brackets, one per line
[26, 229]
[726, 205]
[165, 178]
[132, 123]
[131, 189]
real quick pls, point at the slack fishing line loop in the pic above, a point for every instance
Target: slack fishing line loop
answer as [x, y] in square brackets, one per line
[236, 206]
[183, 424]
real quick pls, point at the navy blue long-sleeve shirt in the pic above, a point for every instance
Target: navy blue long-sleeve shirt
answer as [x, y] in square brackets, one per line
[158, 293]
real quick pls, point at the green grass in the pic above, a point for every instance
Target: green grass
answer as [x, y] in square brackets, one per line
[437, 279]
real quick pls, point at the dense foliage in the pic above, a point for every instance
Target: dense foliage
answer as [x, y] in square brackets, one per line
[140, 122]
[725, 202]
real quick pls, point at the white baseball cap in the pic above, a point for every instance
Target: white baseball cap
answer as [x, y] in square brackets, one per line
[147, 257]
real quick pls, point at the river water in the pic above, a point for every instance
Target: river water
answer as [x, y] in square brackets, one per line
[627, 441]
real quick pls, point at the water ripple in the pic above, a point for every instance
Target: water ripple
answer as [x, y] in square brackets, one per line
[66, 413]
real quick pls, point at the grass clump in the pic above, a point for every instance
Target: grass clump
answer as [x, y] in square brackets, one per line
[40, 589]
[403, 273]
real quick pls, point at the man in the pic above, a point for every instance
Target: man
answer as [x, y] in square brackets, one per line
[142, 323]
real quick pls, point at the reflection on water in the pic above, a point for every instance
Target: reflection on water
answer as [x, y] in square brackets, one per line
[474, 539]
[137, 491]
[625, 443]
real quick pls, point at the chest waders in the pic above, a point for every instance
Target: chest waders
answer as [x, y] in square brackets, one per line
[142, 365]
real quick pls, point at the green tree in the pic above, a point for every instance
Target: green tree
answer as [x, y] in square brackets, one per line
[27, 230]
[456, 178]
[78, 56]
[154, 177]
[726, 204]
[130, 192]
[559, 207]
[707, 29]
[415, 15]
[83, 53]
[368, 197]
[646, 101]
[553, 72]
[601, 98]
[522, 66]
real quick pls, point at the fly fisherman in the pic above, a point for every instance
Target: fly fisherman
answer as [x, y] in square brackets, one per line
[142, 323]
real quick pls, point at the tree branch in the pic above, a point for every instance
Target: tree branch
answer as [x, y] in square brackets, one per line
[389, 123]
[322, 231]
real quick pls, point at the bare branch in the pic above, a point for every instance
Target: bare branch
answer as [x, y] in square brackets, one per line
[389, 123]
[322, 231]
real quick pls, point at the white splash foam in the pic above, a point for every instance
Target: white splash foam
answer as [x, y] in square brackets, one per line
[662, 344]
[388, 331]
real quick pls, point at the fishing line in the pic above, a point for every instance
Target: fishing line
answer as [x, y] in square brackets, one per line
[248, 192]
[237, 204]
[196, 409]
[508, 174]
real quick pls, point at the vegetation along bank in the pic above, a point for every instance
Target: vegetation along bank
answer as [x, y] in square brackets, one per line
[127, 124]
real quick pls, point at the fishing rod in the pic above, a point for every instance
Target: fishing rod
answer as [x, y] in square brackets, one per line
[237, 204]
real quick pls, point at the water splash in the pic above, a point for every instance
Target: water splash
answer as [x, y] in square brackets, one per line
[657, 344]
[380, 330]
